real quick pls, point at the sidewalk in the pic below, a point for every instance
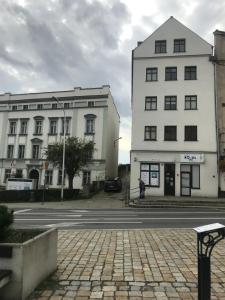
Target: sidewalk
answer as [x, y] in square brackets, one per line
[100, 200]
[129, 264]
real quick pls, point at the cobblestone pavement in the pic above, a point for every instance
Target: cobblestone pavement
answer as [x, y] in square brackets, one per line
[129, 264]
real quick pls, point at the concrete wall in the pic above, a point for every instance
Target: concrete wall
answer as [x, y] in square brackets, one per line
[219, 39]
[31, 263]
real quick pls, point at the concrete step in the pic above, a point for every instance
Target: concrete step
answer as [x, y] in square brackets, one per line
[177, 203]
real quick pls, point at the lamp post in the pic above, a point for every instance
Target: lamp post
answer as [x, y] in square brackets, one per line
[64, 144]
[117, 140]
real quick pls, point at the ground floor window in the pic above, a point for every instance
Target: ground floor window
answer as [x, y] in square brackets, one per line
[150, 174]
[60, 177]
[86, 177]
[48, 177]
[194, 174]
[7, 174]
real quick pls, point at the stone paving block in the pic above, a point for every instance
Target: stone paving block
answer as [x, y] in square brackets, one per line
[137, 263]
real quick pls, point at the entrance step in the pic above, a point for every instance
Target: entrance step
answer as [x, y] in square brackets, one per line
[177, 202]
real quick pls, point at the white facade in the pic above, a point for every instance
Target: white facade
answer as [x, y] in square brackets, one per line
[31, 122]
[173, 114]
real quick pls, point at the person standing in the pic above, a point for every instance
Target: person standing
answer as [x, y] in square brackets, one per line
[141, 188]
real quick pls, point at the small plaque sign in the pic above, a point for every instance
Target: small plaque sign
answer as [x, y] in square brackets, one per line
[192, 158]
[209, 227]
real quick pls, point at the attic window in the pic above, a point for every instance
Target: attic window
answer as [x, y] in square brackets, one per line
[160, 46]
[179, 45]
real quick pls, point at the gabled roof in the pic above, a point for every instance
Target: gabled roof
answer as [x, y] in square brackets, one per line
[170, 30]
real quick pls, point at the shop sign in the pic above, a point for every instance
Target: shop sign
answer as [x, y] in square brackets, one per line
[192, 158]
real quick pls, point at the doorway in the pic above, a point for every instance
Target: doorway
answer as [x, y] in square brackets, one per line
[169, 180]
[34, 174]
[185, 188]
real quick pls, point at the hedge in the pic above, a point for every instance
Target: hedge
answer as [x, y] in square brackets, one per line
[37, 195]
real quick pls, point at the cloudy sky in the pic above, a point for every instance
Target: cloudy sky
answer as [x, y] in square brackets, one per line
[49, 45]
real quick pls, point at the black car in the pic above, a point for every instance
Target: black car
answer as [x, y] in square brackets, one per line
[113, 185]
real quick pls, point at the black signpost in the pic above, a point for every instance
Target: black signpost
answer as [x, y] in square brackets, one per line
[207, 237]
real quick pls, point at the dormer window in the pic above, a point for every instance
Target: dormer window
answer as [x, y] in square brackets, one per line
[179, 45]
[160, 46]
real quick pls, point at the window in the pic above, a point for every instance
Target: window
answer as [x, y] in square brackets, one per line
[10, 151]
[38, 127]
[67, 125]
[19, 173]
[35, 151]
[191, 102]
[190, 133]
[54, 105]
[60, 177]
[171, 73]
[23, 127]
[90, 126]
[25, 107]
[12, 127]
[91, 103]
[170, 133]
[151, 103]
[53, 127]
[150, 174]
[160, 46]
[66, 105]
[151, 74]
[194, 171]
[170, 102]
[195, 176]
[179, 45]
[40, 106]
[21, 151]
[89, 155]
[150, 133]
[190, 73]
[86, 177]
[48, 177]
[14, 107]
[7, 174]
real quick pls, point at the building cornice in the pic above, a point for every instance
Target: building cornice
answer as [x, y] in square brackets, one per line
[171, 56]
[43, 100]
[173, 151]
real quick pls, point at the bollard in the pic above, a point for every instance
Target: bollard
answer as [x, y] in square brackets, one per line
[207, 237]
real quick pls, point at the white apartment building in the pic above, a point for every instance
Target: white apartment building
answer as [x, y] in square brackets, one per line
[31, 122]
[174, 145]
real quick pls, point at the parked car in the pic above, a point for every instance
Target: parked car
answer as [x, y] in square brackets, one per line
[113, 185]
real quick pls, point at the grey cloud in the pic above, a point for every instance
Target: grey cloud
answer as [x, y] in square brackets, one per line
[65, 44]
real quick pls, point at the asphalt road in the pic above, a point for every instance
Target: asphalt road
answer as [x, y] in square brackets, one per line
[117, 218]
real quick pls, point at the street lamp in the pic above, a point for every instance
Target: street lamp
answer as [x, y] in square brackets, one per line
[64, 144]
[117, 140]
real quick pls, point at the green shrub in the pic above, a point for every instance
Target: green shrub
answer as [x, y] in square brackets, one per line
[6, 219]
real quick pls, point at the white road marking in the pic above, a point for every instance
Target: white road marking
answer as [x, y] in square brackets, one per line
[54, 214]
[122, 219]
[62, 225]
[79, 211]
[22, 211]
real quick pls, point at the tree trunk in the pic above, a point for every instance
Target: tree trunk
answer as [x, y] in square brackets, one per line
[71, 182]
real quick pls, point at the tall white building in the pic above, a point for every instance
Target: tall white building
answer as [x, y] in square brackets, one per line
[174, 146]
[29, 123]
